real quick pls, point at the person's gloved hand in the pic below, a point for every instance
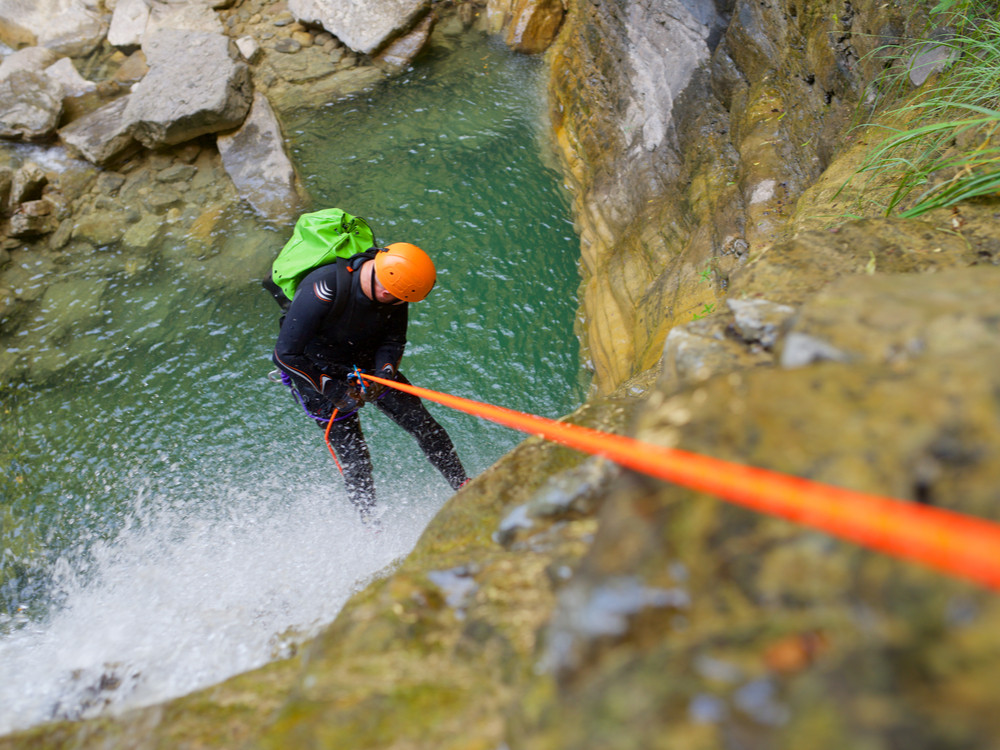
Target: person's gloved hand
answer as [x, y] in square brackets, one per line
[341, 393]
[377, 389]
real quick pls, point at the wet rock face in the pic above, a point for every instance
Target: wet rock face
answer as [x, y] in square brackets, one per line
[527, 26]
[560, 602]
[683, 169]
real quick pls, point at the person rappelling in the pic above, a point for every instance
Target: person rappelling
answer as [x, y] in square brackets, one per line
[348, 316]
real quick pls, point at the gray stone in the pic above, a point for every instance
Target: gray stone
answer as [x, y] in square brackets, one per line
[192, 16]
[33, 219]
[758, 320]
[161, 199]
[67, 27]
[801, 349]
[402, 51]
[101, 228]
[35, 59]
[667, 44]
[193, 87]
[255, 159]
[177, 173]
[287, 45]
[932, 57]
[144, 234]
[103, 136]
[364, 27]
[109, 183]
[66, 75]
[128, 24]
[30, 105]
[249, 48]
[700, 350]
[62, 235]
[308, 65]
[27, 184]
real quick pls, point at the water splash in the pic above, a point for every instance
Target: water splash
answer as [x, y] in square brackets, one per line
[185, 597]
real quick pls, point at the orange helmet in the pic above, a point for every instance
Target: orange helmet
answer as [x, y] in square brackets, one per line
[406, 271]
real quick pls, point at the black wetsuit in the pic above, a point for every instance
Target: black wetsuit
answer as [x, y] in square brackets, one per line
[320, 343]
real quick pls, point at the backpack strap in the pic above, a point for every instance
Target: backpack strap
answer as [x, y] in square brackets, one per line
[344, 272]
[343, 289]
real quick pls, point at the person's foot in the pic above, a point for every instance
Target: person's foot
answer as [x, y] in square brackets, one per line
[371, 522]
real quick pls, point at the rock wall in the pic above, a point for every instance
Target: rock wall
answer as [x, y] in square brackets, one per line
[731, 308]
[689, 129]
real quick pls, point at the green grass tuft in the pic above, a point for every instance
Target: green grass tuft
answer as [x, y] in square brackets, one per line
[942, 146]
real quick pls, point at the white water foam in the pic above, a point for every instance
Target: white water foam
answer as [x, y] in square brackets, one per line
[182, 599]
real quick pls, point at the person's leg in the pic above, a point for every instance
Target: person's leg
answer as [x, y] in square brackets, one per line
[348, 442]
[349, 445]
[409, 413]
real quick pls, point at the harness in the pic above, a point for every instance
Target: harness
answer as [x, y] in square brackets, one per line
[343, 290]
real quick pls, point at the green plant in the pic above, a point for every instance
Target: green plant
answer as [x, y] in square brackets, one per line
[941, 147]
[708, 309]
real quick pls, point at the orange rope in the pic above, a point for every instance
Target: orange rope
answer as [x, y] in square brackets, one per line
[953, 543]
[326, 437]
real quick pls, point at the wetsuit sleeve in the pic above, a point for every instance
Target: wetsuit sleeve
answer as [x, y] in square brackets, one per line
[313, 300]
[390, 350]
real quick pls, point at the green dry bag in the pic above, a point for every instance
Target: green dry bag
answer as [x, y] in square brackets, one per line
[319, 238]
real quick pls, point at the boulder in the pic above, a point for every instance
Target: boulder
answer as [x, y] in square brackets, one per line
[103, 136]
[401, 52]
[190, 16]
[65, 73]
[194, 87]
[529, 26]
[32, 219]
[67, 27]
[255, 159]
[932, 57]
[133, 69]
[249, 48]
[128, 24]
[30, 105]
[27, 184]
[35, 59]
[364, 27]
